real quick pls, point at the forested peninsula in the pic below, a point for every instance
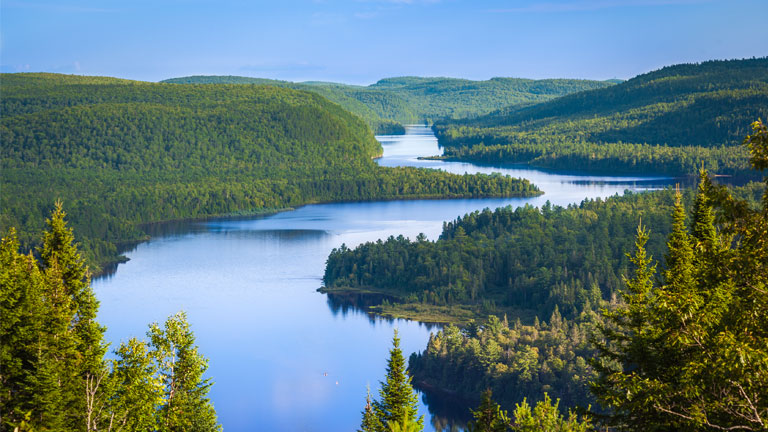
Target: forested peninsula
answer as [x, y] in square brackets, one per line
[525, 286]
[675, 121]
[392, 102]
[122, 153]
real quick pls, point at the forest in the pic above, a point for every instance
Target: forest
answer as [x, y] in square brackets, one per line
[55, 370]
[528, 285]
[124, 153]
[392, 102]
[679, 345]
[675, 120]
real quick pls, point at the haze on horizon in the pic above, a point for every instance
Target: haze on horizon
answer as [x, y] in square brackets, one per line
[362, 41]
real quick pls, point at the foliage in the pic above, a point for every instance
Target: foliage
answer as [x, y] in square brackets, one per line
[181, 370]
[397, 408]
[552, 267]
[123, 153]
[391, 102]
[524, 261]
[690, 351]
[546, 417]
[53, 371]
[673, 121]
[371, 421]
[489, 417]
[515, 361]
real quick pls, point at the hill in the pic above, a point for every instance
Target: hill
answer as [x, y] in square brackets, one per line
[391, 102]
[672, 121]
[122, 153]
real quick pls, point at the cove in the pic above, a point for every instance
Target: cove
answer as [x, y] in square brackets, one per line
[284, 357]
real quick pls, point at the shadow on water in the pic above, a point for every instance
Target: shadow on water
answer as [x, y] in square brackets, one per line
[345, 303]
[449, 411]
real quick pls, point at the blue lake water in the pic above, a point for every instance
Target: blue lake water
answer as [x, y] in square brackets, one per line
[284, 357]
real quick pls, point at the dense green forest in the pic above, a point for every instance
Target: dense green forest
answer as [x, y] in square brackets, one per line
[523, 261]
[683, 348]
[549, 270]
[675, 120]
[392, 102]
[54, 373]
[120, 153]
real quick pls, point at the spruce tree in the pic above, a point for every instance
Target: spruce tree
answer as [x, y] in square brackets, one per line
[371, 421]
[691, 353]
[489, 417]
[85, 349]
[398, 403]
[53, 376]
[627, 337]
[546, 417]
[32, 335]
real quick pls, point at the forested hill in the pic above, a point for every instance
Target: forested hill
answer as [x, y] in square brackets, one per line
[391, 102]
[120, 153]
[672, 120]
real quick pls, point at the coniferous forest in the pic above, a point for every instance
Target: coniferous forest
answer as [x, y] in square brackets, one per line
[123, 153]
[55, 373]
[675, 120]
[390, 103]
[679, 343]
[641, 312]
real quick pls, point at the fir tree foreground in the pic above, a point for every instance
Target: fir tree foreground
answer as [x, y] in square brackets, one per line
[690, 352]
[397, 410]
[53, 374]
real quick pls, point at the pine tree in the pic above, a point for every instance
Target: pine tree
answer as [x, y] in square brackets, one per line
[489, 417]
[398, 403]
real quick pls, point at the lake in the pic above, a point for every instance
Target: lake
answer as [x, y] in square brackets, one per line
[283, 356]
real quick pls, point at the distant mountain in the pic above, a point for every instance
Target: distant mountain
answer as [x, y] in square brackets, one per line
[403, 100]
[671, 121]
[123, 153]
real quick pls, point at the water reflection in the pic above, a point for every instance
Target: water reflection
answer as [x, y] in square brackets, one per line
[449, 411]
[346, 302]
[249, 288]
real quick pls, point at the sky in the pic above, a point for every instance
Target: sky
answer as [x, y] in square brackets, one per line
[362, 41]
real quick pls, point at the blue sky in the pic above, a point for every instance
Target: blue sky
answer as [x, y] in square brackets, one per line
[361, 41]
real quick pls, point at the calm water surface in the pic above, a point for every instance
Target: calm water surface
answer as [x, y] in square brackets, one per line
[249, 289]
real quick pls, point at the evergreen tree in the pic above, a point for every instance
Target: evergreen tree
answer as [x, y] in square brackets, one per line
[546, 417]
[181, 369]
[31, 368]
[398, 403]
[398, 407]
[53, 376]
[54, 369]
[84, 353]
[371, 421]
[692, 353]
[489, 417]
[404, 425]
